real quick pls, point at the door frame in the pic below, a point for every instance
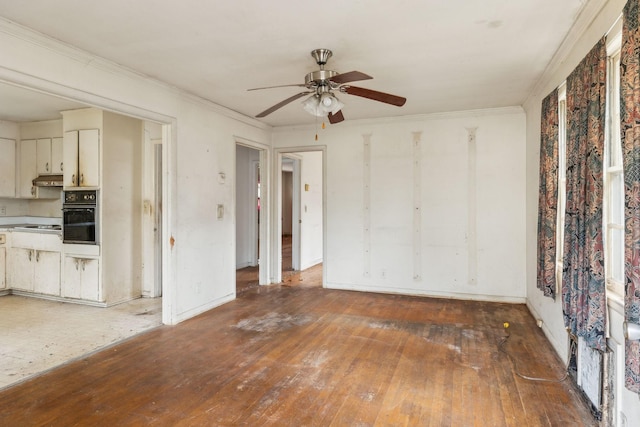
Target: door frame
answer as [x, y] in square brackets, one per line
[276, 224]
[263, 230]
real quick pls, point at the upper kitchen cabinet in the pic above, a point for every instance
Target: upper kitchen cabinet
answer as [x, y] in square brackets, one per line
[39, 160]
[29, 171]
[49, 156]
[7, 167]
[28, 168]
[81, 151]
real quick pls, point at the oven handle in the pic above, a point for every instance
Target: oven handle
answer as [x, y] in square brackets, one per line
[79, 209]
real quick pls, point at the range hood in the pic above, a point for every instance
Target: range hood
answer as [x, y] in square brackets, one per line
[48, 181]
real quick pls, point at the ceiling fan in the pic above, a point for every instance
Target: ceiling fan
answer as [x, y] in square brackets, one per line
[322, 83]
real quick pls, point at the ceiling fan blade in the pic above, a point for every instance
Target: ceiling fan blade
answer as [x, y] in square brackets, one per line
[272, 87]
[351, 76]
[282, 104]
[375, 95]
[336, 118]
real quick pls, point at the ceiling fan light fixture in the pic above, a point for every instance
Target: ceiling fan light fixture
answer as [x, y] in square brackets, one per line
[322, 105]
[330, 104]
[312, 106]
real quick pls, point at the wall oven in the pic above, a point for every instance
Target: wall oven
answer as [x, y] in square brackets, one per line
[80, 217]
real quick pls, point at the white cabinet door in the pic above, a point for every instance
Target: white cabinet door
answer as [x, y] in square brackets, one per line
[70, 158]
[20, 269]
[81, 158]
[90, 279]
[71, 287]
[89, 158]
[3, 260]
[46, 273]
[43, 156]
[28, 169]
[81, 278]
[7, 167]
[57, 162]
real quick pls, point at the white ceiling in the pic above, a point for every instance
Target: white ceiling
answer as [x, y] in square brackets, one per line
[442, 55]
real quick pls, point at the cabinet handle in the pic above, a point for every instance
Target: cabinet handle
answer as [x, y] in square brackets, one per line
[33, 191]
[37, 256]
[30, 255]
[73, 179]
[77, 260]
[83, 263]
[81, 178]
[61, 168]
[46, 167]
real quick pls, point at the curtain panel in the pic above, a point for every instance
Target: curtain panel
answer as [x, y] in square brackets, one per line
[630, 134]
[583, 289]
[548, 196]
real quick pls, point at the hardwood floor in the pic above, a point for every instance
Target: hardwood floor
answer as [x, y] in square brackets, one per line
[296, 354]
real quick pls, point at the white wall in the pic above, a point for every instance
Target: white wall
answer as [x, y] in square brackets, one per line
[580, 40]
[378, 254]
[121, 222]
[246, 230]
[311, 208]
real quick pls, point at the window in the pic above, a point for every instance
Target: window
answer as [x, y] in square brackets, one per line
[562, 183]
[613, 212]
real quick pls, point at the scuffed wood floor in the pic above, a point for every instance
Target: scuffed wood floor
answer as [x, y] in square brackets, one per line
[299, 355]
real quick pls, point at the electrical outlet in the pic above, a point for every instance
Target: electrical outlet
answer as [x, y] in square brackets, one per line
[3, 211]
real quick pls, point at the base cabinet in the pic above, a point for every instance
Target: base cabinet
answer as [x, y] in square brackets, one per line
[35, 271]
[3, 258]
[81, 278]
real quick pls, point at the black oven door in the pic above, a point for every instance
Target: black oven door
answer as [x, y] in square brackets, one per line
[79, 225]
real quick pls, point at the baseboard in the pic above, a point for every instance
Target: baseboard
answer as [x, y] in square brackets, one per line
[426, 293]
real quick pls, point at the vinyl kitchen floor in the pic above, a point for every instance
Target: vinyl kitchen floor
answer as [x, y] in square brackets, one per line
[37, 335]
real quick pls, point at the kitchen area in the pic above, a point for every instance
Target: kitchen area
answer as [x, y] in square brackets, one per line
[78, 225]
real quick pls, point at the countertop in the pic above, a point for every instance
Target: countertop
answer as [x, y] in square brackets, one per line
[33, 228]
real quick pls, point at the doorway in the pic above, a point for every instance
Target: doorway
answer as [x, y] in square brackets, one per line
[251, 235]
[301, 212]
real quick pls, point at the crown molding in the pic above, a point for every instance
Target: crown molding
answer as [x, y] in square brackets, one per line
[87, 59]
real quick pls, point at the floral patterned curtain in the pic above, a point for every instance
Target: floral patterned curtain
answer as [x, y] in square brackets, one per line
[548, 196]
[630, 133]
[583, 290]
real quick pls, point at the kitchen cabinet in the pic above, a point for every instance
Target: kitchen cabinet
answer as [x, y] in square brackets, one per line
[81, 278]
[3, 258]
[20, 269]
[81, 151]
[49, 156]
[7, 167]
[35, 271]
[28, 169]
[33, 263]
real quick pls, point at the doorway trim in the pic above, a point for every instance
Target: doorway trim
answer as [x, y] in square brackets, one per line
[295, 209]
[276, 225]
[265, 197]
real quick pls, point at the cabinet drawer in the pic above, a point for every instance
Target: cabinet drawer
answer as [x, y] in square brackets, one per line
[39, 241]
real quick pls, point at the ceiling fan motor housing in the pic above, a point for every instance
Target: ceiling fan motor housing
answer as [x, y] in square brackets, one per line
[319, 78]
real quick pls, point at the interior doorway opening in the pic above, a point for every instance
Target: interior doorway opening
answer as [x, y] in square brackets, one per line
[251, 240]
[300, 212]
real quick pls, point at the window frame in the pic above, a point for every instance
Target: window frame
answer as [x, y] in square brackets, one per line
[613, 172]
[562, 183]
